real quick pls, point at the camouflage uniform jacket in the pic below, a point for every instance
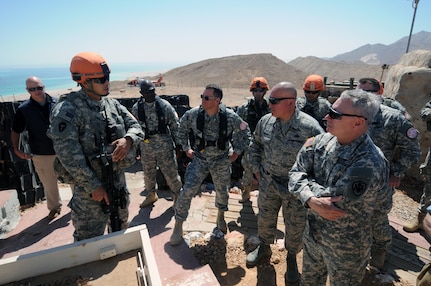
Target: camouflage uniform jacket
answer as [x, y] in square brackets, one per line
[317, 109]
[275, 143]
[164, 141]
[237, 132]
[251, 112]
[358, 171]
[74, 123]
[390, 130]
[426, 112]
[395, 104]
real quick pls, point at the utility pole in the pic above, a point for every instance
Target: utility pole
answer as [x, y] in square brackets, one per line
[384, 67]
[415, 6]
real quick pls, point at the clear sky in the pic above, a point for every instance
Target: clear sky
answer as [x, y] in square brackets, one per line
[51, 32]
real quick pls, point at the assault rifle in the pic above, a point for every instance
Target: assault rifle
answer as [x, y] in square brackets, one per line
[117, 198]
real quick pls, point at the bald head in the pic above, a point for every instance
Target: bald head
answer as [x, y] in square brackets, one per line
[36, 89]
[285, 86]
[33, 79]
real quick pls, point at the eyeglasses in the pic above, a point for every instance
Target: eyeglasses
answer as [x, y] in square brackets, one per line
[101, 80]
[207, 98]
[370, 90]
[259, 90]
[35, 88]
[274, 100]
[337, 115]
[311, 92]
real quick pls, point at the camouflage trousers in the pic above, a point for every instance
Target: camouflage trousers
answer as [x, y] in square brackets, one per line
[247, 178]
[272, 196]
[88, 218]
[196, 172]
[344, 265]
[425, 171]
[167, 163]
[382, 231]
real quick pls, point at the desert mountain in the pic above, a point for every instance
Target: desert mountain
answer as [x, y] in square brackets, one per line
[380, 54]
[238, 71]
[235, 72]
[337, 71]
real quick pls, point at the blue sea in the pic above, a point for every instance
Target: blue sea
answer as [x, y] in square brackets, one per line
[12, 80]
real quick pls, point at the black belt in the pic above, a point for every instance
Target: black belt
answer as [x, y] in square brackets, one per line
[211, 143]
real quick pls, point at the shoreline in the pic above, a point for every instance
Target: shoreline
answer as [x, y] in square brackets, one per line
[73, 86]
[120, 89]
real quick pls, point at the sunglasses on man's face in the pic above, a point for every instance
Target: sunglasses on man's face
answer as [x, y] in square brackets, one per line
[207, 98]
[338, 115]
[274, 100]
[35, 88]
[311, 92]
[101, 80]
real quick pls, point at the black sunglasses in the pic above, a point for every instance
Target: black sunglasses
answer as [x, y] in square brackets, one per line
[101, 80]
[370, 90]
[259, 90]
[337, 115]
[311, 92]
[207, 98]
[274, 100]
[35, 88]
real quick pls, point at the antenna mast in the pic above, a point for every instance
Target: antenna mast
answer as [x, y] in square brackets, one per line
[415, 6]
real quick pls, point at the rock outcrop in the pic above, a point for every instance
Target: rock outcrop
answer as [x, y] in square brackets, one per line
[409, 82]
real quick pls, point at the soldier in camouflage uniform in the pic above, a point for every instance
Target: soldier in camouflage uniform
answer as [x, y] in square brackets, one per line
[212, 136]
[251, 112]
[275, 144]
[82, 128]
[376, 87]
[312, 104]
[338, 176]
[398, 140]
[159, 120]
[425, 171]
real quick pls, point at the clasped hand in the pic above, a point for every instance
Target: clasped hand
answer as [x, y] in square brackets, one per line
[122, 148]
[325, 208]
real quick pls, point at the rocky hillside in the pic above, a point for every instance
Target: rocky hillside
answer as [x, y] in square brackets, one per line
[337, 71]
[234, 72]
[238, 71]
[380, 54]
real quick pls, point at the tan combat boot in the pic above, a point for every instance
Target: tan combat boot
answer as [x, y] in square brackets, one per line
[415, 225]
[177, 234]
[245, 197]
[221, 223]
[151, 198]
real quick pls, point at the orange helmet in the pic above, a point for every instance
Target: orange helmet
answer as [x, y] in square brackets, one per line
[313, 82]
[259, 82]
[88, 65]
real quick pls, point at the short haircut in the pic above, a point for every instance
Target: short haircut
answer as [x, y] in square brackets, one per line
[218, 92]
[373, 81]
[365, 103]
